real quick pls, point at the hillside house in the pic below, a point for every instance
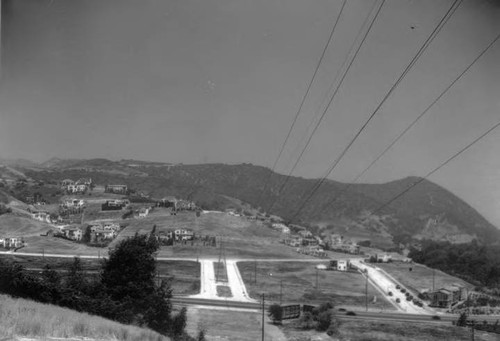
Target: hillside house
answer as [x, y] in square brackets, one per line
[447, 296]
[281, 227]
[143, 212]
[74, 203]
[100, 234]
[84, 181]
[336, 239]
[343, 265]
[118, 189]
[76, 188]
[12, 242]
[182, 234]
[41, 216]
[73, 233]
[169, 201]
[113, 205]
[66, 182]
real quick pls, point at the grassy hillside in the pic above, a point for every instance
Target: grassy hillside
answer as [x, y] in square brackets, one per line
[427, 210]
[12, 225]
[24, 318]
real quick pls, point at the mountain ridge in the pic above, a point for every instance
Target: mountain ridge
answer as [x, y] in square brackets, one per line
[425, 210]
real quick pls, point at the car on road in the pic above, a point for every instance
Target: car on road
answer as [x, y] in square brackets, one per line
[398, 300]
[403, 290]
[389, 293]
[398, 286]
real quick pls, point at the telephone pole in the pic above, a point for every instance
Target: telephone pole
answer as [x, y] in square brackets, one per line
[263, 308]
[366, 290]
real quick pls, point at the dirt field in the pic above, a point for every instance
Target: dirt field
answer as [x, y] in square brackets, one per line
[231, 325]
[420, 277]
[299, 284]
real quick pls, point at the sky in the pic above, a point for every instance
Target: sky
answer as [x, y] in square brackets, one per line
[197, 81]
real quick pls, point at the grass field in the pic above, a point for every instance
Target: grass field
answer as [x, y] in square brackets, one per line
[299, 284]
[185, 274]
[230, 325]
[24, 318]
[421, 277]
[14, 226]
[360, 330]
[242, 238]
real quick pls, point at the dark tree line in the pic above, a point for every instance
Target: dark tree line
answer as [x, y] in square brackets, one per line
[476, 263]
[124, 291]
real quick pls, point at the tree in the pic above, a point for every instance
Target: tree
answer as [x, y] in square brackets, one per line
[128, 277]
[275, 312]
[179, 322]
[462, 320]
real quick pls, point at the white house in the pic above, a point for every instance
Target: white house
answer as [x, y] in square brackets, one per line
[343, 265]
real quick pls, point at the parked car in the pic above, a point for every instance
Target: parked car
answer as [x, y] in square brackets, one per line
[390, 293]
[403, 290]
[398, 300]
[398, 286]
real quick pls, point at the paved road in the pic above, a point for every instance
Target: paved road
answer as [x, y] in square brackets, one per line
[386, 284]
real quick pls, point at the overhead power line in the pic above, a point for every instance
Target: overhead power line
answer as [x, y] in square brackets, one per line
[437, 168]
[329, 102]
[306, 94]
[454, 6]
[483, 52]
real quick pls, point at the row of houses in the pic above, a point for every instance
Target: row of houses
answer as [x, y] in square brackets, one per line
[79, 186]
[176, 204]
[117, 189]
[12, 242]
[177, 235]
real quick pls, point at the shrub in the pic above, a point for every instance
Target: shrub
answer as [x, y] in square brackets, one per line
[324, 320]
[275, 312]
[306, 321]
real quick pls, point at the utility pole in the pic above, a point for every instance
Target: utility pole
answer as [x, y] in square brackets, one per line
[255, 271]
[472, 330]
[281, 292]
[366, 290]
[317, 288]
[433, 276]
[43, 254]
[263, 308]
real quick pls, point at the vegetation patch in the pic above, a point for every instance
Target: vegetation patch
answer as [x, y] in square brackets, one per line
[224, 291]
[302, 282]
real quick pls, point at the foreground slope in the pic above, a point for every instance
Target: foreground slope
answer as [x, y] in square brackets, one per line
[24, 318]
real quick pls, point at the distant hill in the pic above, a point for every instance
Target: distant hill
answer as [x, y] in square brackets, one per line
[426, 211]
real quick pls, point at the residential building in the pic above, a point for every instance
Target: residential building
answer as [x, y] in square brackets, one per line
[12, 242]
[119, 189]
[182, 234]
[73, 233]
[343, 265]
[447, 296]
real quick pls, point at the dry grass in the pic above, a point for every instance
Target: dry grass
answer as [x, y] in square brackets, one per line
[223, 291]
[242, 238]
[14, 226]
[19, 317]
[186, 276]
[299, 284]
[404, 331]
[420, 277]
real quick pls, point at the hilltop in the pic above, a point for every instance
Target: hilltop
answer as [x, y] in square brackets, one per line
[427, 211]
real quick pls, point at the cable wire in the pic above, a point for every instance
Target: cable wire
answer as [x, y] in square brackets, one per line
[415, 120]
[329, 103]
[454, 6]
[304, 97]
[436, 169]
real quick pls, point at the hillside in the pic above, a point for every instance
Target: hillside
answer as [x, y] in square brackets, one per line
[24, 318]
[427, 211]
